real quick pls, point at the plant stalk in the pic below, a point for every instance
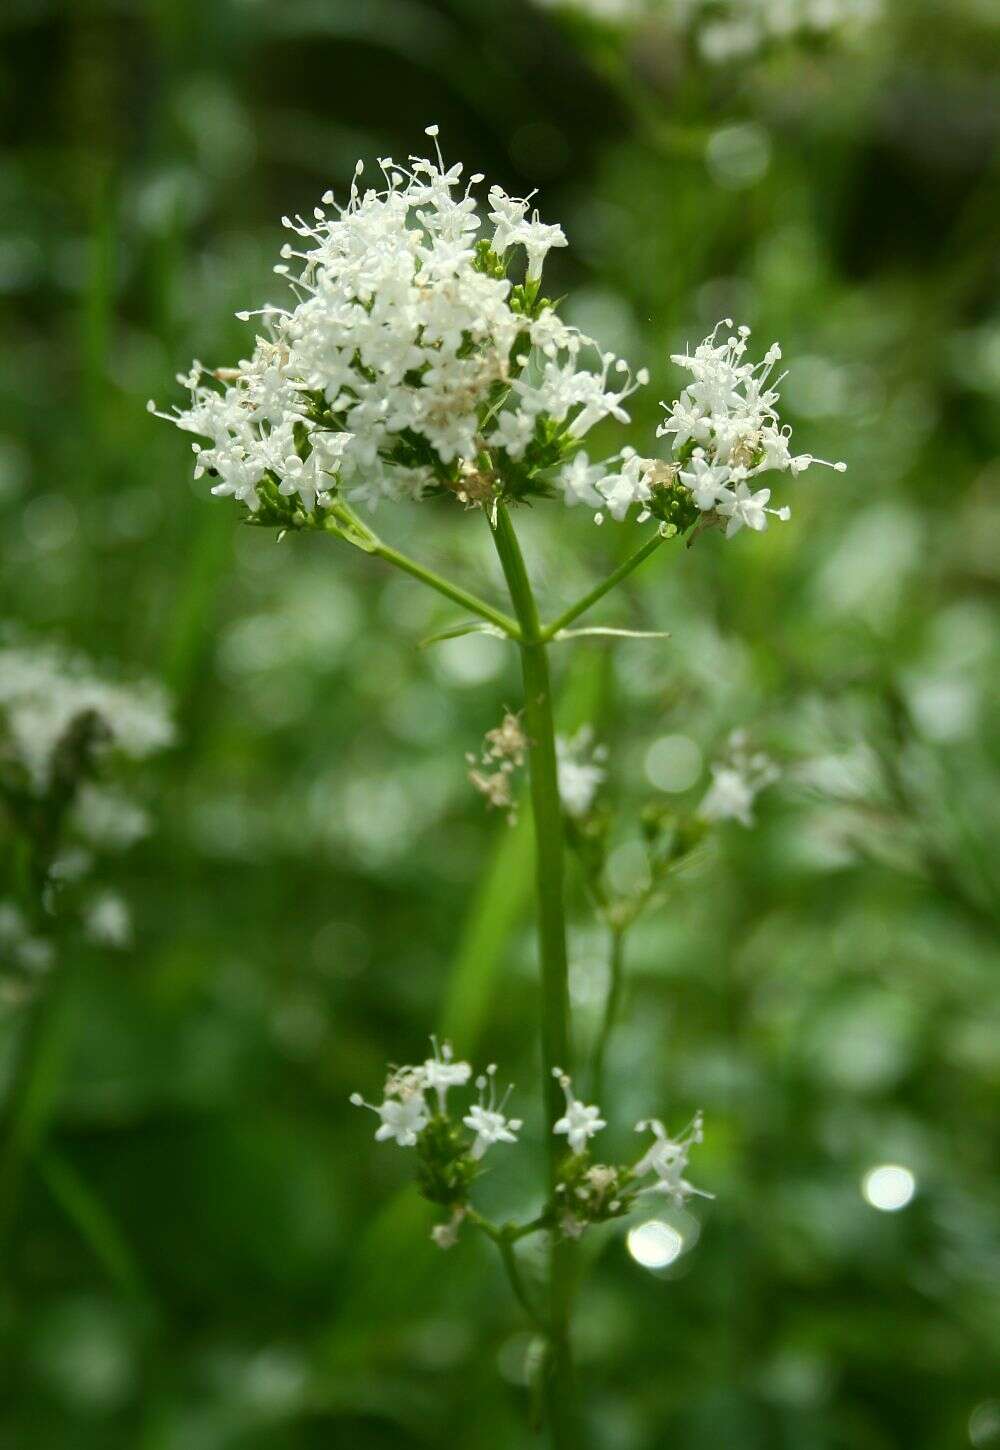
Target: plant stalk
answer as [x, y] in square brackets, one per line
[558, 1393]
[372, 544]
[598, 592]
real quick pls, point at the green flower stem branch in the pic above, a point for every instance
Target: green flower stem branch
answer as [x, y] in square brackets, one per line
[505, 1237]
[551, 631]
[358, 533]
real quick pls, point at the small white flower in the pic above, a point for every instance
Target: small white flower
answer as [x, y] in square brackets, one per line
[486, 1118]
[538, 238]
[743, 507]
[400, 1119]
[579, 1122]
[578, 480]
[631, 484]
[441, 1073]
[705, 480]
[667, 1160]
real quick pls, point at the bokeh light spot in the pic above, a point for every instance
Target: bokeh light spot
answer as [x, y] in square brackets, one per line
[654, 1244]
[888, 1187]
[673, 762]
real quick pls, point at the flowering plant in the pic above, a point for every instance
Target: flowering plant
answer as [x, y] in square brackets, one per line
[421, 361]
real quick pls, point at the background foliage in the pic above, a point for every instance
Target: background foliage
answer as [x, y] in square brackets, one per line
[207, 1251]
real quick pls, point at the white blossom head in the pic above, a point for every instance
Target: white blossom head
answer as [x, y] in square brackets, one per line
[401, 1119]
[411, 351]
[726, 431]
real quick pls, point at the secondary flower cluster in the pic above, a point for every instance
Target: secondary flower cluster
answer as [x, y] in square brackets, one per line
[410, 364]
[589, 1193]
[63, 731]
[725, 432]
[415, 1113]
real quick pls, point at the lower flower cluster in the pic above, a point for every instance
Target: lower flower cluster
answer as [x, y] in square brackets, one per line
[415, 1113]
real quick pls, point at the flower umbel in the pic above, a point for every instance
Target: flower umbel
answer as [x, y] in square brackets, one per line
[408, 359]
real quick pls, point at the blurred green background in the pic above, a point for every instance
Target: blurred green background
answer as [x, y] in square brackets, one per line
[208, 1252]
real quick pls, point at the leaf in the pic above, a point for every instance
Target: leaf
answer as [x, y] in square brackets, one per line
[471, 626]
[93, 1222]
[606, 629]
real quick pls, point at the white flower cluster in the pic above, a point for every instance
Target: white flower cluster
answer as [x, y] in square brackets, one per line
[413, 1096]
[43, 692]
[726, 31]
[409, 359]
[726, 432]
[591, 1193]
[737, 781]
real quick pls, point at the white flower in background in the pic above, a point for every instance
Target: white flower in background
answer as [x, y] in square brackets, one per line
[667, 1159]
[441, 1072]
[108, 922]
[45, 691]
[579, 1122]
[726, 431]
[736, 782]
[393, 371]
[580, 773]
[19, 948]
[487, 1119]
[727, 31]
[107, 818]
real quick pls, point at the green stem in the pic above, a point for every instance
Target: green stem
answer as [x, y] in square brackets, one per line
[612, 1003]
[615, 577]
[547, 815]
[505, 1239]
[374, 545]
